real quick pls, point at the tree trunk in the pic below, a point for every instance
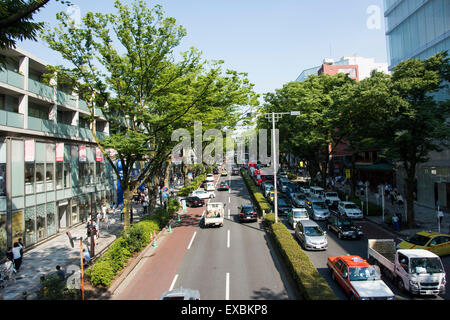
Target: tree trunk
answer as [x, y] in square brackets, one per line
[127, 197]
[411, 175]
[353, 175]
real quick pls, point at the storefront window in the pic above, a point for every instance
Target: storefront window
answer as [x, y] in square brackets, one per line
[40, 222]
[59, 175]
[17, 226]
[30, 226]
[91, 173]
[29, 177]
[2, 179]
[51, 221]
[74, 211]
[40, 174]
[49, 177]
[3, 235]
[66, 175]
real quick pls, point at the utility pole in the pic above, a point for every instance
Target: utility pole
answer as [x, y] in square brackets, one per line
[275, 116]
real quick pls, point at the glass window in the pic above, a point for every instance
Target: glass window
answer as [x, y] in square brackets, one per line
[66, 175]
[49, 177]
[40, 173]
[30, 226]
[59, 175]
[3, 234]
[91, 174]
[2, 179]
[51, 220]
[75, 211]
[17, 226]
[29, 177]
[40, 222]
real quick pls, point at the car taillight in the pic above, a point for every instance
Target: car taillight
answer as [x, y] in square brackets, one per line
[254, 213]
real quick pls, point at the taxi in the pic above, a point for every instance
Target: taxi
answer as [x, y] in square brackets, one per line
[224, 172]
[359, 279]
[436, 242]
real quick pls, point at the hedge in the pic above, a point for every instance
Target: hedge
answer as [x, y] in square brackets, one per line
[311, 284]
[257, 196]
[104, 270]
[194, 185]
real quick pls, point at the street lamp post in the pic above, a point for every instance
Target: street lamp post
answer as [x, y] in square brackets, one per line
[275, 116]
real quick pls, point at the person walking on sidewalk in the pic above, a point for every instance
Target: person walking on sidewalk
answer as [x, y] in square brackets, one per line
[395, 223]
[17, 256]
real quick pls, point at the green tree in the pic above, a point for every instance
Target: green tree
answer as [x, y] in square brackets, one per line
[123, 64]
[419, 125]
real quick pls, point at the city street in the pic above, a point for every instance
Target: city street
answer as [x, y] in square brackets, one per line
[235, 261]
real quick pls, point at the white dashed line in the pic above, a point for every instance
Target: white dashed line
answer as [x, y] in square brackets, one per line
[190, 243]
[173, 282]
[227, 287]
[228, 239]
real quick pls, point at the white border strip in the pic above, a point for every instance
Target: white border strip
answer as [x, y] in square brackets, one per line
[190, 243]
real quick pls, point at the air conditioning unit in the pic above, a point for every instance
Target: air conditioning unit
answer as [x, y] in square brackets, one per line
[328, 61]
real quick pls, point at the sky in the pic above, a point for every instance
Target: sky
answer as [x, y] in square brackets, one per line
[271, 40]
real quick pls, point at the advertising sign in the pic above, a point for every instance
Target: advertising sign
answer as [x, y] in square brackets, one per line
[60, 152]
[82, 153]
[98, 154]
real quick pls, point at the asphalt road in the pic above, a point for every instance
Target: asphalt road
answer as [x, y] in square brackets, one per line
[233, 262]
[338, 247]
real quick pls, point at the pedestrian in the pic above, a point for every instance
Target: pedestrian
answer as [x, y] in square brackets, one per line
[440, 216]
[145, 204]
[60, 273]
[106, 221]
[9, 254]
[20, 241]
[86, 257]
[400, 200]
[42, 289]
[99, 217]
[395, 223]
[17, 257]
[104, 210]
[7, 271]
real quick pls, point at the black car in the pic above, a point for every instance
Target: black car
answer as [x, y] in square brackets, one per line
[223, 186]
[247, 213]
[235, 171]
[194, 202]
[284, 206]
[216, 171]
[344, 227]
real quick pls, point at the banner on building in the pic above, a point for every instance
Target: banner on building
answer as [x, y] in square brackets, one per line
[60, 152]
[29, 150]
[82, 153]
[98, 154]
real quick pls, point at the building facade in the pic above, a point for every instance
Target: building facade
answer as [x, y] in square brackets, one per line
[419, 29]
[52, 175]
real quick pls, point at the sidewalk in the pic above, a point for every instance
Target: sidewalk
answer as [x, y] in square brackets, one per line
[43, 259]
[425, 218]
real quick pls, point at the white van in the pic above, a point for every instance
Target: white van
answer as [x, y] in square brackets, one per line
[316, 192]
[209, 186]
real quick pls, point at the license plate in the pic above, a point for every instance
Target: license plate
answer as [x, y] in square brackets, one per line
[353, 236]
[428, 292]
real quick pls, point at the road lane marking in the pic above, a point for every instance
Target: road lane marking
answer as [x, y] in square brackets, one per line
[228, 213]
[227, 287]
[229, 199]
[228, 239]
[173, 282]
[190, 243]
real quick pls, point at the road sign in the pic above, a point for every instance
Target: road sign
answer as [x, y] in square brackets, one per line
[183, 204]
[165, 189]
[165, 195]
[347, 173]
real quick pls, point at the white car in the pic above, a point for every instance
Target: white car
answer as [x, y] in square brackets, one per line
[210, 177]
[202, 194]
[332, 198]
[350, 210]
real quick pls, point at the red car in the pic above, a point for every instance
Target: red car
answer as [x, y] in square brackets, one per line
[358, 278]
[223, 186]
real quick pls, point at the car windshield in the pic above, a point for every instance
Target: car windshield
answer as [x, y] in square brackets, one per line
[300, 214]
[418, 240]
[332, 194]
[247, 209]
[426, 265]
[223, 184]
[319, 205]
[363, 274]
[281, 203]
[313, 231]
[350, 206]
[300, 196]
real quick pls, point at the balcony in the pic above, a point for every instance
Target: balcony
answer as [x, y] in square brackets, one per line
[85, 134]
[42, 125]
[65, 129]
[65, 99]
[13, 78]
[82, 105]
[11, 119]
[40, 89]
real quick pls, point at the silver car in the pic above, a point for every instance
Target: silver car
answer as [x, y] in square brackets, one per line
[311, 236]
[297, 214]
[317, 209]
[181, 294]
